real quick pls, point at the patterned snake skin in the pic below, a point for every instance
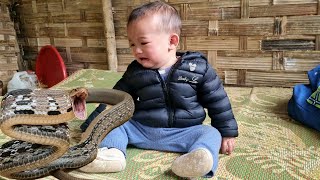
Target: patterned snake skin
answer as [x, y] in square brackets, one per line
[37, 121]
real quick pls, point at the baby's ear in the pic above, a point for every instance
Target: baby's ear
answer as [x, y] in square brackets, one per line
[174, 41]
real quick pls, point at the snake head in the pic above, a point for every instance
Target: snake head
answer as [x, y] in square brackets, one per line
[78, 97]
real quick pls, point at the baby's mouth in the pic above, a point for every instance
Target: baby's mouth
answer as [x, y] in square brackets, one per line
[143, 59]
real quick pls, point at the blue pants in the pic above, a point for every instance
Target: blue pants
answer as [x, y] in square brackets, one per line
[181, 140]
[165, 139]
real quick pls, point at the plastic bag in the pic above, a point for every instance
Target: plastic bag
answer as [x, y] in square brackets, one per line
[23, 80]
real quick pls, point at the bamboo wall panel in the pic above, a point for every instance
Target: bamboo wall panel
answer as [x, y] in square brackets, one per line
[9, 50]
[66, 24]
[248, 42]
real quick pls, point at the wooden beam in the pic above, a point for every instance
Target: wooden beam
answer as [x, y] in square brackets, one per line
[111, 48]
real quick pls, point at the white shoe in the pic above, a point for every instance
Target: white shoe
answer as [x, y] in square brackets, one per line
[196, 163]
[107, 160]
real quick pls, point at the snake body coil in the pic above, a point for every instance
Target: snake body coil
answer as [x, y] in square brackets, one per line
[37, 121]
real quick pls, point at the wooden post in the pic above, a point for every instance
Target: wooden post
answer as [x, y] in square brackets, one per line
[109, 33]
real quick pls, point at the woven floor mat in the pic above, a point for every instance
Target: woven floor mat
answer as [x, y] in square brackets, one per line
[270, 144]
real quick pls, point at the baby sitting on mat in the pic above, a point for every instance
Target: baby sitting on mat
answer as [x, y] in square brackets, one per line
[170, 91]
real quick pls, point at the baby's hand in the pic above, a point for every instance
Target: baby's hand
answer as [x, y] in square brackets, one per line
[227, 145]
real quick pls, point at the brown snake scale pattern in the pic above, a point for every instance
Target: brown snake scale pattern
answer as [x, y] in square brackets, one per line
[37, 121]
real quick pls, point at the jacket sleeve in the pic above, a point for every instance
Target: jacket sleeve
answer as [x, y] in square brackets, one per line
[121, 84]
[124, 83]
[213, 97]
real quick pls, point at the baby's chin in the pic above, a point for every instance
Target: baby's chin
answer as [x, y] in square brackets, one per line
[149, 67]
[147, 64]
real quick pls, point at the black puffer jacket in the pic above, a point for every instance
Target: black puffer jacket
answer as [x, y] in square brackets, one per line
[191, 86]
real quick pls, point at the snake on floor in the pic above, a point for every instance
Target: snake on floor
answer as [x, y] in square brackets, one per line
[37, 122]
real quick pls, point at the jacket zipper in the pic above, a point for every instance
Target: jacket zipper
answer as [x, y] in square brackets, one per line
[167, 96]
[171, 113]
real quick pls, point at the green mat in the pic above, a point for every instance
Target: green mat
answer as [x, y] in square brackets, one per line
[270, 144]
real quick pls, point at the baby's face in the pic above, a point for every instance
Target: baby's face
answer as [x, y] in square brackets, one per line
[150, 45]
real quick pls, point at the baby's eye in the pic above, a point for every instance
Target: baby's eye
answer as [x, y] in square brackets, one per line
[144, 43]
[131, 45]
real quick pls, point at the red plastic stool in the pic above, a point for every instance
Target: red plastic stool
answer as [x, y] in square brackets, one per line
[50, 68]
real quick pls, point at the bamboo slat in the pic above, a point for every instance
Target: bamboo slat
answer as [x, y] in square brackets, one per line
[247, 27]
[294, 1]
[256, 63]
[303, 25]
[213, 43]
[230, 77]
[211, 11]
[275, 79]
[287, 44]
[283, 10]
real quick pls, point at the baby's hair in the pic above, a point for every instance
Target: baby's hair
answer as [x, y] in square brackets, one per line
[170, 19]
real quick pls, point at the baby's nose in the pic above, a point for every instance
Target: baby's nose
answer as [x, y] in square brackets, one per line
[137, 50]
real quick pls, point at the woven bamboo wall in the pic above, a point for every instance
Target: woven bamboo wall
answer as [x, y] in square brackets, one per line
[69, 25]
[249, 42]
[9, 50]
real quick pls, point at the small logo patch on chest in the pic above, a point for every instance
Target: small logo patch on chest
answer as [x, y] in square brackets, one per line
[192, 66]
